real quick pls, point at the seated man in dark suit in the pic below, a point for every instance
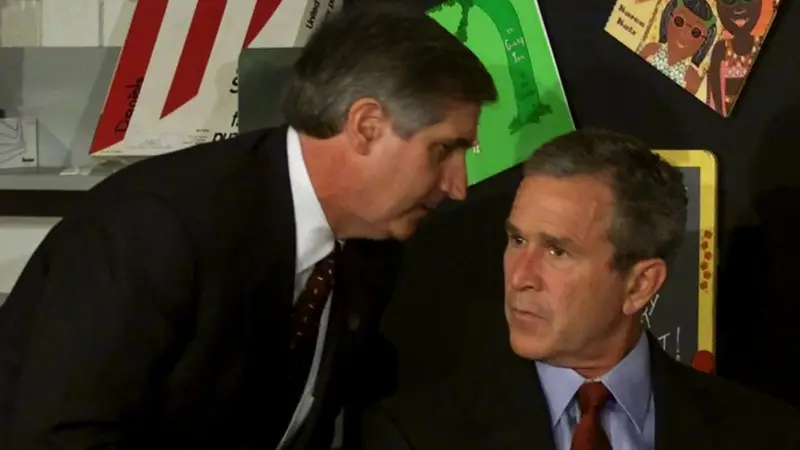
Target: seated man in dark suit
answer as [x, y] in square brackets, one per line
[190, 303]
[594, 225]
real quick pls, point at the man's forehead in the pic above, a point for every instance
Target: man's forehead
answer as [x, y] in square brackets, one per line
[568, 206]
[570, 188]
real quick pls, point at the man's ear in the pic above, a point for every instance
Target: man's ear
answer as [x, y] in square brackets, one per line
[365, 123]
[644, 280]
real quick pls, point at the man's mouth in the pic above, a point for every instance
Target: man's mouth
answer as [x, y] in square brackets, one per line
[525, 315]
[741, 22]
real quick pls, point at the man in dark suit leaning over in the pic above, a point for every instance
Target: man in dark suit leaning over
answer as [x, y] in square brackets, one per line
[595, 222]
[187, 304]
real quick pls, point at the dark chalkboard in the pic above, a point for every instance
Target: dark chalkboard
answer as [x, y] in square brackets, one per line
[682, 314]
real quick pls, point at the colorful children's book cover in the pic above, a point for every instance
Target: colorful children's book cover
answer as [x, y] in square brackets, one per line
[509, 37]
[708, 47]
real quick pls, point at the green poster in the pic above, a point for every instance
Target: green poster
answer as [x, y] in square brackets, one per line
[510, 38]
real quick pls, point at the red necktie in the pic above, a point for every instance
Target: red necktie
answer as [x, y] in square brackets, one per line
[589, 434]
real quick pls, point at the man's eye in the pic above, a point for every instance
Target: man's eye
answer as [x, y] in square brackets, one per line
[516, 241]
[557, 252]
[442, 151]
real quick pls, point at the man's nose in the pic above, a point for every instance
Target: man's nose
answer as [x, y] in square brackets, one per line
[454, 177]
[524, 272]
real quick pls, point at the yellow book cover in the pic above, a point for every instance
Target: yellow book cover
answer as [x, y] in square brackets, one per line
[708, 47]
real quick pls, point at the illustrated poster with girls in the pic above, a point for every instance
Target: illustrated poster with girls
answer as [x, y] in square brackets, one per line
[708, 47]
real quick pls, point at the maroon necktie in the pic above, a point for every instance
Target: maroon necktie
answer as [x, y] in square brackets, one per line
[305, 322]
[589, 434]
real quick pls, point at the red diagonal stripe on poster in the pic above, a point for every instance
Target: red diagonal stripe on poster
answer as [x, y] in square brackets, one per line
[129, 74]
[261, 14]
[195, 54]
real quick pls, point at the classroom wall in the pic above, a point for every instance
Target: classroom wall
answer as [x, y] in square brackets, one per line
[51, 23]
[64, 23]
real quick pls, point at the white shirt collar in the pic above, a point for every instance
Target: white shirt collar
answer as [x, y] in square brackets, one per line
[314, 237]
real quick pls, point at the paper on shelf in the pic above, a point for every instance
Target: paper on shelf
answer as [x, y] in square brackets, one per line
[18, 143]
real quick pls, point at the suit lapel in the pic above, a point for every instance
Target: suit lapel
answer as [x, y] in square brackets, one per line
[515, 407]
[364, 277]
[271, 285]
[275, 248]
[362, 286]
[683, 418]
[516, 410]
[344, 292]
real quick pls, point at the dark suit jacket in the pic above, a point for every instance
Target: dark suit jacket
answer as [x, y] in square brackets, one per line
[156, 317]
[492, 400]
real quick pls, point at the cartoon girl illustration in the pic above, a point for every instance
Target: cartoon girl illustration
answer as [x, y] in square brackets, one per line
[686, 33]
[744, 23]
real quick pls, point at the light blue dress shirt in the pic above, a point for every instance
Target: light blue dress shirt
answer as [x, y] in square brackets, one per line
[629, 416]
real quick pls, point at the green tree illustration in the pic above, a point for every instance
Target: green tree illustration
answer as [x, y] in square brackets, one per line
[530, 107]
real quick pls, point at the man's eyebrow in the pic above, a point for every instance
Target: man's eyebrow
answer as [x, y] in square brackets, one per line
[458, 143]
[512, 229]
[557, 241]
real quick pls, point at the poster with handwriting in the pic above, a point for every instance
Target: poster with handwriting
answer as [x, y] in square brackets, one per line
[509, 37]
[681, 315]
[707, 47]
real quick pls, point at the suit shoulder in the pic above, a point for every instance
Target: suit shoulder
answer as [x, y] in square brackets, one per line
[140, 239]
[216, 179]
[739, 400]
[188, 169]
[138, 217]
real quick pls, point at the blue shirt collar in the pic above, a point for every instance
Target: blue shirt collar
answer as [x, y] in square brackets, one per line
[628, 381]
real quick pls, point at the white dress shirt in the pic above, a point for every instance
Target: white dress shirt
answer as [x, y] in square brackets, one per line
[314, 240]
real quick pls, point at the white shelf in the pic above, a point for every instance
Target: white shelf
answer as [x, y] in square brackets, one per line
[45, 179]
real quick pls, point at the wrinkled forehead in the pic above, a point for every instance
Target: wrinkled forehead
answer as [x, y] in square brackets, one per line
[577, 207]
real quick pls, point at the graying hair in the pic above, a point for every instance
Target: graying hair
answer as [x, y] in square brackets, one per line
[650, 199]
[395, 54]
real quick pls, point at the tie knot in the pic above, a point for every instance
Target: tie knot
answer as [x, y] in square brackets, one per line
[593, 395]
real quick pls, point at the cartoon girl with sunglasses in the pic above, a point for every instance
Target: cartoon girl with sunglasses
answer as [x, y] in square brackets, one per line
[687, 30]
[744, 23]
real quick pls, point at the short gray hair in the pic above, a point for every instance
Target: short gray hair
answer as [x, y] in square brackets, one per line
[650, 198]
[394, 53]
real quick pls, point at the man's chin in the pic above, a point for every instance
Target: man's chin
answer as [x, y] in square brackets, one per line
[402, 233]
[405, 227]
[527, 347]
